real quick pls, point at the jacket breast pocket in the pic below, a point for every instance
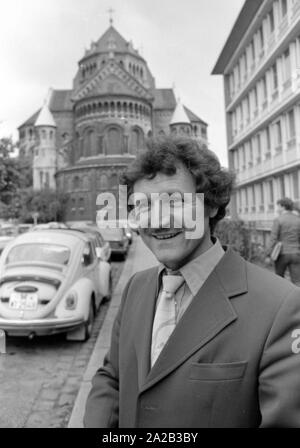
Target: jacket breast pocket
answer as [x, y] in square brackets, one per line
[217, 371]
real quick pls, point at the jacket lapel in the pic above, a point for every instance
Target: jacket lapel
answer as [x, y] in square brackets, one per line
[146, 302]
[208, 314]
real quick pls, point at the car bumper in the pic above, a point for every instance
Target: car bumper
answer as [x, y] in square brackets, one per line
[39, 327]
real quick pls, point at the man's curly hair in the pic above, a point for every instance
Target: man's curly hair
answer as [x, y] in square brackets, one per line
[164, 156]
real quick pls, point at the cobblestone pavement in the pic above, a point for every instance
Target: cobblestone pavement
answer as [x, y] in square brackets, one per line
[40, 378]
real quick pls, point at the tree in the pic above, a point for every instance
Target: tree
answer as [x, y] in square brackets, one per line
[50, 205]
[9, 171]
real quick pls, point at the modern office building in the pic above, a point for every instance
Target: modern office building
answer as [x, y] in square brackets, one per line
[82, 139]
[260, 63]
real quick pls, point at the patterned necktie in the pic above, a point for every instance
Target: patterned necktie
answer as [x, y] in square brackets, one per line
[165, 316]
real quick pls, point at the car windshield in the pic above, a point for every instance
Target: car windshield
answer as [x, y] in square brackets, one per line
[46, 253]
[8, 231]
[111, 234]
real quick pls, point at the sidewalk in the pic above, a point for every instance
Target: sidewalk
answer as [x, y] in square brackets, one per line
[139, 258]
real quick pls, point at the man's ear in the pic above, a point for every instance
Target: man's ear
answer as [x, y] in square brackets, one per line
[212, 212]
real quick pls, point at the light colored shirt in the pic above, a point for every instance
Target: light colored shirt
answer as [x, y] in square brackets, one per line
[195, 273]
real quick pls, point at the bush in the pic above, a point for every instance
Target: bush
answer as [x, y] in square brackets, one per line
[242, 238]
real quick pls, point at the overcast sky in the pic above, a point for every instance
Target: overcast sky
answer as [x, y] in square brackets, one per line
[41, 42]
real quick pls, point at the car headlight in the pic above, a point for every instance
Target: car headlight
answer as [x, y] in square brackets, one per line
[71, 301]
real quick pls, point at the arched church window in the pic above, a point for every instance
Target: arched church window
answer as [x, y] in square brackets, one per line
[76, 183]
[90, 143]
[112, 108]
[86, 182]
[114, 141]
[41, 179]
[131, 109]
[114, 181]
[43, 134]
[47, 180]
[103, 182]
[137, 141]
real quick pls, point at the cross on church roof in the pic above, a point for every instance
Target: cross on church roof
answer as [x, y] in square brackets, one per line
[111, 12]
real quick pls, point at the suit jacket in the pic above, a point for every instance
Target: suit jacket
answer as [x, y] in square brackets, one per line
[228, 363]
[286, 228]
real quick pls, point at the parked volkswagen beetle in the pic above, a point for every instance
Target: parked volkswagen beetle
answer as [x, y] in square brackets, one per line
[52, 281]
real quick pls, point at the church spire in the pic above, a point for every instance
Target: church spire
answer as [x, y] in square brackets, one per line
[111, 12]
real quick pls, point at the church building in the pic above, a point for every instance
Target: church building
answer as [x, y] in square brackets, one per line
[82, 139]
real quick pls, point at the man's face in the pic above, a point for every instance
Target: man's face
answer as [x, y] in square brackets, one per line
[170, 245]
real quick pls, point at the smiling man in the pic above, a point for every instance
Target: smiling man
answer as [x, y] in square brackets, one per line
[205, 339]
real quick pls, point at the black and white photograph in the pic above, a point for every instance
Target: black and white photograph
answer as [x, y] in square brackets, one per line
[149, 217]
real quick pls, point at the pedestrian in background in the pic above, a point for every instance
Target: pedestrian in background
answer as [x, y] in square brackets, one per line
[286, 229]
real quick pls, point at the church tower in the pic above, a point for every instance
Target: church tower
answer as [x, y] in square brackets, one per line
[44, 161]
[180, 123]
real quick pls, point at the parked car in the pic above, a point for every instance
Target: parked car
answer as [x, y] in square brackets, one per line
[7, 233]
[103, 248]
[117, 239]
[23, 228]
[52, 281]
[50, 225]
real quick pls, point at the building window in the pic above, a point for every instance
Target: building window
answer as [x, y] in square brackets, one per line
[255, 101]
[243, 158]
[252, 48]
[268, 144]
[240, 201]
[41, 179]
[261, 40]
[271, 21]
[270, 194]
[295, 181]
[261, 197]
[253, 198]
[47, 180]
[250, 163]
[281, 187]
[278, 136]
[286, 67]
[283, 7]
[114, 141]
[274, 77]
[265, 92]
[291, 124]
[81, 206]
[258, 147]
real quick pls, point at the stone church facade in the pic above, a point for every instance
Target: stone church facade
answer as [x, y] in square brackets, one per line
[82, 139]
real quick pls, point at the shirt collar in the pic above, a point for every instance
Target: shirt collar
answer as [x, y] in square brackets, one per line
[196, 271]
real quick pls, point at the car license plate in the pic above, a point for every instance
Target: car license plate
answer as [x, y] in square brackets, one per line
[23, 301]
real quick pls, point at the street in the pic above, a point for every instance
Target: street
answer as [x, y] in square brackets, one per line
[40, 378]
